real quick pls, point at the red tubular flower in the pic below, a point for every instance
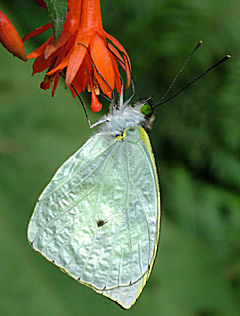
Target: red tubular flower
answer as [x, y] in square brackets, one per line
[83, 50]
[10, 39]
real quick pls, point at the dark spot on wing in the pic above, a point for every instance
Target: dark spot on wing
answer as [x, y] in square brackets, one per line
[101, 222]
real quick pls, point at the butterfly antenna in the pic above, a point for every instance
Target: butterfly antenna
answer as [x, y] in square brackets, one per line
[193, 81]
[180, 71]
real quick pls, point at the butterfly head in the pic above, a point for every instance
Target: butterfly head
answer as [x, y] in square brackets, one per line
[147, 109]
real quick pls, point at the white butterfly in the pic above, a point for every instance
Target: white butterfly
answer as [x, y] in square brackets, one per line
[99, 217]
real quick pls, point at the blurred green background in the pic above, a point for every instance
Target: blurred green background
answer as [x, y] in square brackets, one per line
[196, 139]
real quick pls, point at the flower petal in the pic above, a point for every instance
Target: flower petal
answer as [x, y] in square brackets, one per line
[56, 79]
[39, 51]
[62, 55]
[116, 55]
[74, 94]
[51, 47]
[59, 67]
[128, 72]
[10, 39]
[70, 27]
[125, 56]
[118, 45]
[116, 75]
[76, 57]
[82, 77]
[103, 62]
[40, 64]
[37, 31]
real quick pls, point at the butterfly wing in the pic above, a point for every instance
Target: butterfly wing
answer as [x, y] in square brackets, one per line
[98, 219]
[127, 296]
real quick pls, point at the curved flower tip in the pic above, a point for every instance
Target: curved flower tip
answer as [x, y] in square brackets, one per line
[96, 106]
[88, 54]
[10, 39]
[41, 3]
[45, 85]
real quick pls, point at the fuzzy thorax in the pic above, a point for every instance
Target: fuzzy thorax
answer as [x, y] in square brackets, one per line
[124, 118]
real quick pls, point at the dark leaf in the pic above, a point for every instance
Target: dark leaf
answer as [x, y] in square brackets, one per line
[57, 10]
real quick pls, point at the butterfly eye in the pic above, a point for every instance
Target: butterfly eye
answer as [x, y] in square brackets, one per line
[147, 109]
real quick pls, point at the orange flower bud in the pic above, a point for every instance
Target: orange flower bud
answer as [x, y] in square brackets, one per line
[96, 106]
[47, 83]
[44, 85]
[10, 39]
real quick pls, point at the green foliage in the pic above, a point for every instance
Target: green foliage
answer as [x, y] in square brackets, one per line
[57, 10]
[196, 142]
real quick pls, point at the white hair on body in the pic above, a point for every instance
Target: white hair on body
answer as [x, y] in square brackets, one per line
[123, 118]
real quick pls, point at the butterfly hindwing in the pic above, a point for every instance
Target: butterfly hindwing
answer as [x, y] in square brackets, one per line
[98, 219]
[127, 296]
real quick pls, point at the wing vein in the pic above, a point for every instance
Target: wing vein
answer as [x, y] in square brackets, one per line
[127, 215]
[90, 252]
[68, 240]
[140, 256]
[154, 179]
[54, 236]
[73, 205]
[111, 256]
[76, 173]
[63, 212]
[145, 216]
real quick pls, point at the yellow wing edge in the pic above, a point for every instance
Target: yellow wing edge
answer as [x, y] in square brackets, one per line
[145, 139]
